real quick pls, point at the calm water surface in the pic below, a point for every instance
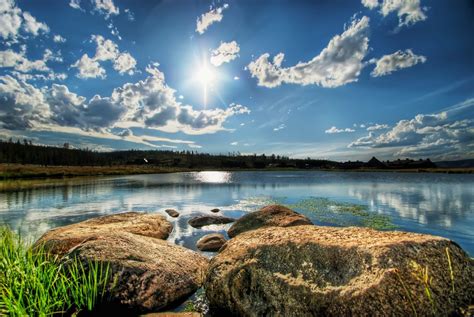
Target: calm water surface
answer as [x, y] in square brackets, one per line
[439, 204]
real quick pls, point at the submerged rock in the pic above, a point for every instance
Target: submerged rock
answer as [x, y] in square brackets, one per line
[211, 242]
[172, 213]
[61, 240]
[327, 271]
[215, 210]
[206, 220]
[148, 274]
[269, 216]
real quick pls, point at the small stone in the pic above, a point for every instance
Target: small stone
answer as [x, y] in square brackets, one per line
[172, 213]
[215, 210]
[211, 242]
[206, 220]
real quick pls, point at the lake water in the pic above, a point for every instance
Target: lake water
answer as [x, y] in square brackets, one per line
[439, 204]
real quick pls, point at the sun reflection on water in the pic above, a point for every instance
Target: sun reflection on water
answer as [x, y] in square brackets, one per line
[213, 177]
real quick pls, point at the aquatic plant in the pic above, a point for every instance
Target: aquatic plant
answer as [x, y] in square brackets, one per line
[34, 283]
[327, 211]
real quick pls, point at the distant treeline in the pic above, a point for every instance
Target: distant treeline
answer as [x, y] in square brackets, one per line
[25, 152]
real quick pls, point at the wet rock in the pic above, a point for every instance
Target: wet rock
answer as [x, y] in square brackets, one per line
[206, 220]
[215, 210]
[269, 216]
[211, 242]
[61, 240]
[148, 274]
[172, 213]
[327, 271]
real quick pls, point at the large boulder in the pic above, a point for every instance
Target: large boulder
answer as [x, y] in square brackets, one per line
[211, 242]
[327, 271]
[269, 216]
[60, 240]
[147, 274]
[172, 213]
[206, 220]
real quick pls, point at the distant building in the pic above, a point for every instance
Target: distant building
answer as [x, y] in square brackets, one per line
[375, 163]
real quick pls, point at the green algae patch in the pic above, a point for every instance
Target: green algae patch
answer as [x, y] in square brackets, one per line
[329, 212]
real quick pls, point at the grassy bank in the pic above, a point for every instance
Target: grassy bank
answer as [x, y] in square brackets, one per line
[19, 171]
[33, 283]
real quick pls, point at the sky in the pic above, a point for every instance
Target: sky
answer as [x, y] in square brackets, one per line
[332, 79]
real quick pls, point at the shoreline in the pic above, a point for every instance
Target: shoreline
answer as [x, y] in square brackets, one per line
[18, 171]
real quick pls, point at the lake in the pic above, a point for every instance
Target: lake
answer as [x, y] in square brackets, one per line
[439, 204]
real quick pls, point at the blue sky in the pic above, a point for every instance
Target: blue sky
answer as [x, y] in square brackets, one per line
[325, 79]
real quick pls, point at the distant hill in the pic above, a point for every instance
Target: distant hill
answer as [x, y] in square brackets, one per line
[453, 164]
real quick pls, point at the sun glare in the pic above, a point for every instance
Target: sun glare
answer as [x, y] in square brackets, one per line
[205, 75]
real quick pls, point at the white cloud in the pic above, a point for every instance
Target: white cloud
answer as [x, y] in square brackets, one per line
[333, 130]
[12, 18]
[377, 126]
[280, 127]
[408, 11]
[236, 77]
[106, 7]
[234, 143]
[225, 53]
[125, 63]
[147, 103]
[19, 62]
[106, 50]
[75, 4]
[208, 18]
[371, 4]
[32, 26]
[337, 64]
[89, 68]
[58, 38]
[439, 135]
[393, 62]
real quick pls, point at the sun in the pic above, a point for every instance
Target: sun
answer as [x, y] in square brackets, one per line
[205, 75]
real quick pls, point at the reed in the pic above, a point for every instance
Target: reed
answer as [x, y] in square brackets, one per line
[34, 283]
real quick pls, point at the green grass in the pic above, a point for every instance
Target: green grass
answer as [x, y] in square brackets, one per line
[33, 283]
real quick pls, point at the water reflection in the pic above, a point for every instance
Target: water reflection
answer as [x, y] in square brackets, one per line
[437, 204]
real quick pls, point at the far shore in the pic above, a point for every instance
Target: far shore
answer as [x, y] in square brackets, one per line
[19, 171]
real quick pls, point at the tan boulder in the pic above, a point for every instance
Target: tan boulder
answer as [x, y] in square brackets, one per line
[60, 240]
[327, 271]
[148, 274]
[269, 216]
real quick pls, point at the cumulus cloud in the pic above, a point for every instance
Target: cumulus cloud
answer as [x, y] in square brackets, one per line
[408, 11]
[22, 104]
[377, 126]
[149, 102]
[106, 50]
[12, 19]
[88, 68]
[396, 61]
[333, 130]
[438, 135]
[19, 62]
[210, 17]
[106, 7]
[225, 53]
[337, 64]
